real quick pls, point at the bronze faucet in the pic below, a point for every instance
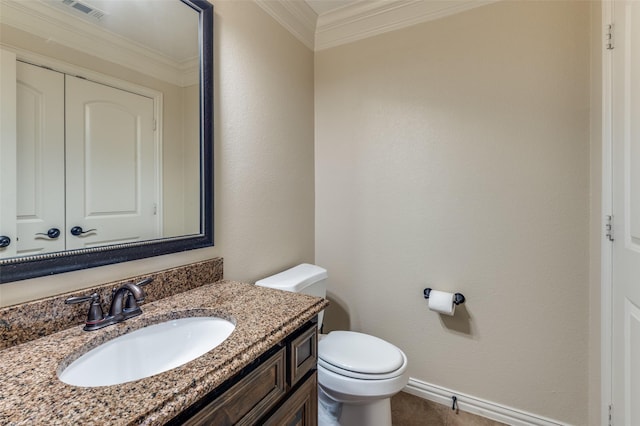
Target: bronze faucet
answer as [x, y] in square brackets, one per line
[120, 310]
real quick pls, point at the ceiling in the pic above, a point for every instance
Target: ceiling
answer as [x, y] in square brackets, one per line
[321, 24]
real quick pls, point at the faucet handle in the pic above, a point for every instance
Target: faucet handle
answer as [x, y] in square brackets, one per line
[131, 303]
[145, 282]
[95, 309]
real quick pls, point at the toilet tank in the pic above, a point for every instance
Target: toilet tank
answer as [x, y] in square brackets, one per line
[305, 278]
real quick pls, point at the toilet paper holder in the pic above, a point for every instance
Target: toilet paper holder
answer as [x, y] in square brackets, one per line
[458, 298]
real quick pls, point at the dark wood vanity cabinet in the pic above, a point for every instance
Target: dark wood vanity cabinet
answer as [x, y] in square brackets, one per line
[301, 408]
[279, 388]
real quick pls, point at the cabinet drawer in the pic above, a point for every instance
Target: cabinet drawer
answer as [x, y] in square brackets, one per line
[303, 354]
[301, 409]
[247, 400]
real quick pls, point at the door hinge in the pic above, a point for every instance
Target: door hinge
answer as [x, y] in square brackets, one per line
[608, 37]
[608, 227]
[610, 415]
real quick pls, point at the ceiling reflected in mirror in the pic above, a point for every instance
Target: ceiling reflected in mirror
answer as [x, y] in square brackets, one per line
[156, 37]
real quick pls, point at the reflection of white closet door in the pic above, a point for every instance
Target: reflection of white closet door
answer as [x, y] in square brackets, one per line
[40, 160]
[8, 152]
[110, 162]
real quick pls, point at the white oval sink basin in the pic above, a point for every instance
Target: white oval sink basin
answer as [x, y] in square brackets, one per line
[147, 351]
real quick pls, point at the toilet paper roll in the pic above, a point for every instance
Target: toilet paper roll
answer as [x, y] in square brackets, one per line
[442, 302]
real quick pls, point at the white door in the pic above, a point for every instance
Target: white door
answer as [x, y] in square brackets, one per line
[626, 211]
[40, 160]
[112, 184]
[8, 230]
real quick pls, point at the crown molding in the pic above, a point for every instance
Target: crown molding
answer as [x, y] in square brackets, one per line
[296, 16]
[52, 25]
[359, 20]
[369, 18]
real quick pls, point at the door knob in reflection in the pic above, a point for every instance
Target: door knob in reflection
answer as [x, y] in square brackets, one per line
[77, 231]
[52, 233]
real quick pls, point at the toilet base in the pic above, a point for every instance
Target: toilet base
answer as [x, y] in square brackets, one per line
[377, 413]
[371, 413]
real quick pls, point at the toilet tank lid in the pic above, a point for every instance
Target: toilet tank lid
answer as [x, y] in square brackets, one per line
[295, 279]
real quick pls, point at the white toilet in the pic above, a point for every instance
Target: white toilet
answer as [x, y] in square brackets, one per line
[357, 373]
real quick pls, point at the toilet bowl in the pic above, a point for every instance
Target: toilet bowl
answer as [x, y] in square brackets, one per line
[357, 373]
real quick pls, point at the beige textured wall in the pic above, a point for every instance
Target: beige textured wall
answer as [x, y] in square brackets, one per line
[263, 159]
[455, 154]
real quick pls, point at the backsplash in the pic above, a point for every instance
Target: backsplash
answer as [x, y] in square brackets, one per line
[28, 321]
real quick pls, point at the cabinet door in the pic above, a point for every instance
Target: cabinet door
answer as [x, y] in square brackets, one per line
[40, 159]
[112, 179]
[301, 409]
[303, 354]
[248, 399]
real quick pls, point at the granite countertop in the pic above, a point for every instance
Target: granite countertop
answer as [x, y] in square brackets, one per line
[32, 393]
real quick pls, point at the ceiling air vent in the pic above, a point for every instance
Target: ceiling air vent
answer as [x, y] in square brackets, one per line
[84, 8]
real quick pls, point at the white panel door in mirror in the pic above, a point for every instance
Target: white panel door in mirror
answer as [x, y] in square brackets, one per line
[40, 160]
[112, 181]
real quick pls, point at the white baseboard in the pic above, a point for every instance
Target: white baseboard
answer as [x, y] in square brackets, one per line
[480, 407]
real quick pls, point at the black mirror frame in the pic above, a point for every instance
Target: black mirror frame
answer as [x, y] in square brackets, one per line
[56, 263]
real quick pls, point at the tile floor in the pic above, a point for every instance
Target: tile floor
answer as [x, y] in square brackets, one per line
[409, 410]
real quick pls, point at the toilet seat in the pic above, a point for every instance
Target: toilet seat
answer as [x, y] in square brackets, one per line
[360, 356]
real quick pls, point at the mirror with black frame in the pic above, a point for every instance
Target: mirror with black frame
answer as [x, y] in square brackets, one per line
[106, 132]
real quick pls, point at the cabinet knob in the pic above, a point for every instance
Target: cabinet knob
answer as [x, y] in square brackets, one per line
[4, 241]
